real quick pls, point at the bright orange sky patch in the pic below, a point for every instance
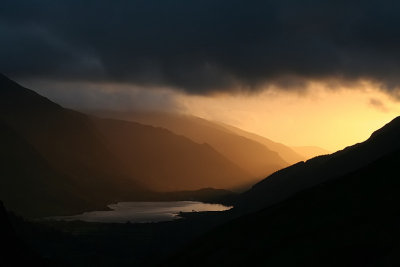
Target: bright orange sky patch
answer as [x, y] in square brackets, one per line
[331, 119]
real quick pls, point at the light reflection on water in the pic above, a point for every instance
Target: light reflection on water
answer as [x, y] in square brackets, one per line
[141, 212]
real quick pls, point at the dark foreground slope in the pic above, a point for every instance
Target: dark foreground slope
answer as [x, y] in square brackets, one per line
[108, 244]
[14, 252]
[303, 175]
[353, 220]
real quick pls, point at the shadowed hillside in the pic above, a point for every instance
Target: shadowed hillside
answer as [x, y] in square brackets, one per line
[55, 160]
[295, 178]
[31, 186]
[252, 156]
[351, 219]
[61, 161]
[164, 161]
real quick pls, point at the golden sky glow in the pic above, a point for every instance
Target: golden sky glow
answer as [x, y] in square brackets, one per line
[320, 116]
[331, 119]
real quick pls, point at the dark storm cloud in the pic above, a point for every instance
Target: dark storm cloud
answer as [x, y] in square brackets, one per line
[102, 96]
[202, 46]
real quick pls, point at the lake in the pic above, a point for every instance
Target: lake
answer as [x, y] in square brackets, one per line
[143, 212]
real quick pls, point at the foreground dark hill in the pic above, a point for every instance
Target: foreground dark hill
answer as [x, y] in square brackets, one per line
[300, 176]
[255, 158]
[14, 251]
[60, 161]
[352, 220]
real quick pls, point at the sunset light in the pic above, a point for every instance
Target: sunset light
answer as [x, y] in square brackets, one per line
[200, 133]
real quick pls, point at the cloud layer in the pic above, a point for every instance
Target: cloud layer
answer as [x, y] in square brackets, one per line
[202, 46]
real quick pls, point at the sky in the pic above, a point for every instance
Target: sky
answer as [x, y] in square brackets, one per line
[307, 72]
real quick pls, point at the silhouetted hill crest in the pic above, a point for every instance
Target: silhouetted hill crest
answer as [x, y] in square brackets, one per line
[295, 178]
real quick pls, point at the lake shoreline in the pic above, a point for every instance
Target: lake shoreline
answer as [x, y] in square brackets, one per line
[144, 212]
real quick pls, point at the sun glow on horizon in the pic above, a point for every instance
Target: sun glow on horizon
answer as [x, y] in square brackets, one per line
[330, 119]
[325, 116]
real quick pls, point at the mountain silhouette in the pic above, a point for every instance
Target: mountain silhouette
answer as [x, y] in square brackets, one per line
[346, 218]
[66, 162]
[255, 158]
[302, 175]
[58, 160]
[167, 162]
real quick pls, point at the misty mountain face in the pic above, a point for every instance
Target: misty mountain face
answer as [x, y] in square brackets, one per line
[164, 161]
[58, 161]
[300, 176]
[349, 219]
[288, 154]
[253, 156]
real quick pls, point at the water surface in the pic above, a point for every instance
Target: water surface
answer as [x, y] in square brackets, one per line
[142, 212]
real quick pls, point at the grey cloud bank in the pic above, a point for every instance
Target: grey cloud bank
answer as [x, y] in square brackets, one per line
[202, 46]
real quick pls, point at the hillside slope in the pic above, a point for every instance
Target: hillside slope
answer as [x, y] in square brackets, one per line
[164, 161]
[285, 152]
[295, 178]
[250, 155]
[54, 155]
[352, 220]
[72, 161]
[30, 186]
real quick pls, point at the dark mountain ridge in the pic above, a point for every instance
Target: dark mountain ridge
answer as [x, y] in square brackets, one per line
[302, 175]
[345, 220]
